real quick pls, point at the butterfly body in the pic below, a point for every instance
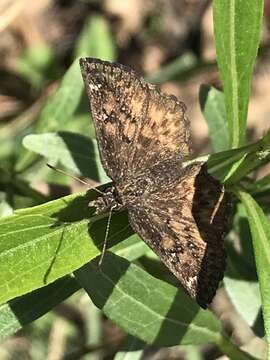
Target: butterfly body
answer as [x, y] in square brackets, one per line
[143, 136]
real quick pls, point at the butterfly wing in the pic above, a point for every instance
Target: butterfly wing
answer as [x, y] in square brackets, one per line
[136, 125]
[185, 225]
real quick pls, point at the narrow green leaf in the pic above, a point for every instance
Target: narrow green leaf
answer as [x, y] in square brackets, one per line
[260, 190]
[252, 160]
[241, 282]
[173, 70]
[213, 108]
[36, 64]
[58, 109]
[237, 26]
[96, 40]
[245, 296]
[246, 266]
[260, 231]
[260, 186]
[74, 151]
[23, 310]
[232, 165]
[41, 244]
[128, 295]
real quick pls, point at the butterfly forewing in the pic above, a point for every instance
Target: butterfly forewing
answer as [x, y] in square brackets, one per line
[164, 132]
[117, 100]
[136, 125]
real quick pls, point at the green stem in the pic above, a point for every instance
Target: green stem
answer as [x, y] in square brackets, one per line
[231, 350]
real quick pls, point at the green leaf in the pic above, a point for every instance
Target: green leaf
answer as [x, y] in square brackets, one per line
[245, 296]
[260, 187]
[237, 26]
[23, 310]
[74, 151]
[128, 295]
[242, 254]
[96, 40]
[260, 231]
[240, 280]
[36, 64]
[173, 70]
[253, 160]
[41, 244]
[232, 165]
[213, 108]
[150, 309]
[131, 249]
[58, 109]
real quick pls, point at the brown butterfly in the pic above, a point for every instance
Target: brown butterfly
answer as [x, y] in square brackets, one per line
[143, 137]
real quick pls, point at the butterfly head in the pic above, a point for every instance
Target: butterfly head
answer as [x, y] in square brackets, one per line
[105, 203]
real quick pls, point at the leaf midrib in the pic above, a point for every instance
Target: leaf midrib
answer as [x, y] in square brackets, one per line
[233, 67]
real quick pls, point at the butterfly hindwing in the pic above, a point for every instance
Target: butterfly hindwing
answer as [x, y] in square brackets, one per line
[184, 224]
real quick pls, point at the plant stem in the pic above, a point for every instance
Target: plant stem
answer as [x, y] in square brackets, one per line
[231, 350]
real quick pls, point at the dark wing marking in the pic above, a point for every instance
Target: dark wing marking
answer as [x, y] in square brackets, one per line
[185, 225]
[136, 126]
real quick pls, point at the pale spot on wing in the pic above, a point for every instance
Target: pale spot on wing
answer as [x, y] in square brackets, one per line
[95, 87]
[110, 129]
[192, 282]
[130, 131]
[175, 225]
[167, 242]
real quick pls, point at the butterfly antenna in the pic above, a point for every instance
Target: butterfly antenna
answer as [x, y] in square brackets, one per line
[106, 237]
[221, 197]
[75, 178]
